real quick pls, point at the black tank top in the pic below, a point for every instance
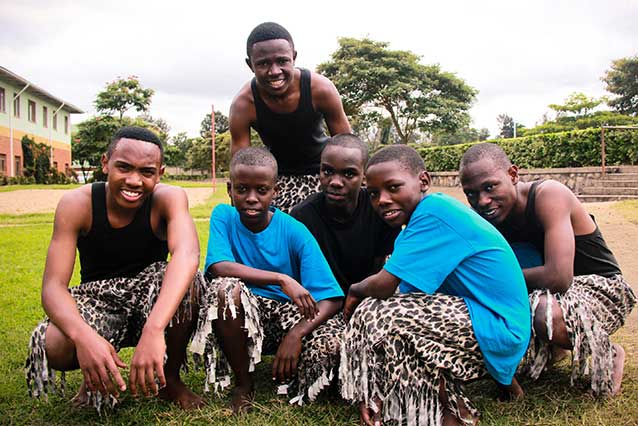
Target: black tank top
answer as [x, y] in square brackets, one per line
[107, 252]
[592, 256]
[296, 139]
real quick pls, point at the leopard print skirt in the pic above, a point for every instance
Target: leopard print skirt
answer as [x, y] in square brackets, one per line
[398, 351]
[117, 309]
[294, 189]
[266, 322]
[594, 307]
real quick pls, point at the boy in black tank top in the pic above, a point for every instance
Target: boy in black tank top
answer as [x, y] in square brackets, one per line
[129, 295]
[577, 279]
[287, 107]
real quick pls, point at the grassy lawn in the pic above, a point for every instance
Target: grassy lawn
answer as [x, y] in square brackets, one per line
[23, 243]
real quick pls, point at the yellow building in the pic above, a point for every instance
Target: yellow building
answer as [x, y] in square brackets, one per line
[26, 109]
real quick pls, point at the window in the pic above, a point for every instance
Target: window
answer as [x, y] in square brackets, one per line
[66, 124]
[31, 111]
[55, 165]
[16, 105]
[55, 121]
[3, 164]
[45, 116]
[2, 101]
[18, 165]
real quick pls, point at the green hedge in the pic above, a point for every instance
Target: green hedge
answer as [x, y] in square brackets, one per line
[578, 148]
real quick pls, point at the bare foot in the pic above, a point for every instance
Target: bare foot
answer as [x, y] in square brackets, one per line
[176, 391]
[81, 399]
[368, 416]
[242, 399]
[510, 392]
[619, 367]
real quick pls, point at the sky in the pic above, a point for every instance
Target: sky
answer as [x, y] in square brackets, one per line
[520, 55]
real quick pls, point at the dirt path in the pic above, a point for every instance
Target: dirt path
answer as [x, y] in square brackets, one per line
[44, 200]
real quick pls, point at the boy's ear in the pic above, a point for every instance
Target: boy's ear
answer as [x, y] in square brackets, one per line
[425, 179]
[105, 162]
[513, 173]
[250, 65]
[294, 55]
[229, 187]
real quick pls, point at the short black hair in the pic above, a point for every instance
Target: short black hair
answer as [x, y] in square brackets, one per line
[407, 157]
[348, 140]
[253, 156]
[483, 150]
[137, 133]
[267, 31]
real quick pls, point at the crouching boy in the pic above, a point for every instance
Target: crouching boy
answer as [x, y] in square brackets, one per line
[271, 290]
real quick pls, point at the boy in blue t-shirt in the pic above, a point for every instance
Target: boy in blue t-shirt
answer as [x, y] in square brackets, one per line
[462, 310]
[270, 287]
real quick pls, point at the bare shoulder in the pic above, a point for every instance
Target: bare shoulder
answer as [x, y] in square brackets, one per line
[321, 86]
[554, 198]
[74, 209]
[243, 101]
[167, 195]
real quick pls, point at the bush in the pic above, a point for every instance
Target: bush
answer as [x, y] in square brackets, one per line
[578, 148]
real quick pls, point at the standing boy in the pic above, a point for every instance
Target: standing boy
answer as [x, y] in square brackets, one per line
[129, 295]
[270, 286]
[352, 237]
[406, 356]
[578, 295]
[287, 106]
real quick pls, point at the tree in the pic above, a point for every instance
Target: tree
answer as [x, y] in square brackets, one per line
[416, 97]
[123, 94]
[221, 125]
[463, 135]
[622, 80]
[576, 104]
[505, 126]
[160, 125]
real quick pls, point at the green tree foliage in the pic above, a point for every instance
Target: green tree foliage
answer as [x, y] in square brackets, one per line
[37, 163]
[596, 119]
[123, 94]
[622, 80]
[416, 97]
[463, 135]
[159, 125]
[221, 125]
[578, 148]
[577, 104]
[505, 126]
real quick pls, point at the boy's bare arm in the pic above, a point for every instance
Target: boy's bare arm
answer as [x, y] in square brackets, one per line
[242, 113]
[285, 364]
[380, 285]
[96, 356]
[289, 286]
[553, 209]
[183, 245]
[328, 101]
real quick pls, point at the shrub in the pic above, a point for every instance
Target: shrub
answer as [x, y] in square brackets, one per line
[578, 148]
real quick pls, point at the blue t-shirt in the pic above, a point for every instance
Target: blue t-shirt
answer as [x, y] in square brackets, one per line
[285, 246]
[448, 248]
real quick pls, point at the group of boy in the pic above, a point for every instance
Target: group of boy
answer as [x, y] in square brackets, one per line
[316, 288]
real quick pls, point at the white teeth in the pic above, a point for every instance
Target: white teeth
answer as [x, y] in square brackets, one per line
[130, 193]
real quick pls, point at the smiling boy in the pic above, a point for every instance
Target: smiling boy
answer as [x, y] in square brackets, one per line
[354, 239]
[270, 287]
[578, 279]
[407, 356]
[128, 295]
[287, 107]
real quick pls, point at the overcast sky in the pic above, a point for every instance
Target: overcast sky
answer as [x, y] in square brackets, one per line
[520, 56]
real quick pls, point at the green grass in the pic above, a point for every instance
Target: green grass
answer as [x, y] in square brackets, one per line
[9, 188]
[550, 401]
[629, 210]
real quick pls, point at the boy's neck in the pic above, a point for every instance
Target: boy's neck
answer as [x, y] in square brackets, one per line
[257, 227]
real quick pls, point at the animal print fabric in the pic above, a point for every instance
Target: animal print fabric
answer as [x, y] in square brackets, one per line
[293, 190]
[117, 309]
[398, 351]
[594, 307]
[266, 322]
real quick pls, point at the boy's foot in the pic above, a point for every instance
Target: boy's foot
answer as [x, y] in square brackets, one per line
[177, 392]
[558, 354]
[510, 392]
[242, 399]
[618, 368]
[81, 399]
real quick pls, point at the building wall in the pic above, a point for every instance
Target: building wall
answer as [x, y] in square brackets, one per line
[59, 139]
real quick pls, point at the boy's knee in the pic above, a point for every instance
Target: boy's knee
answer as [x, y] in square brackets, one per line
[235, 293]
[559, 333]
[60, 350]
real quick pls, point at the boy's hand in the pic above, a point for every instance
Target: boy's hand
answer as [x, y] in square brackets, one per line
[147, 361]
[99, 363]
[285, 365]
[350, 306]
[300, 297]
